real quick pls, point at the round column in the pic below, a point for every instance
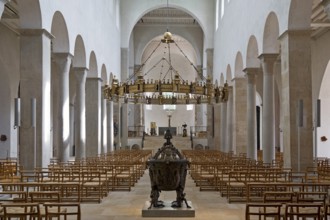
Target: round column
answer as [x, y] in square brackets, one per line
[268, 116]
[80, 113]
[110, 135]
[223, 126]
[230, 122]
[251, 112]
[63, 62]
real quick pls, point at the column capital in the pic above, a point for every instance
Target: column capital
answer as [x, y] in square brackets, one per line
[267, 62]
[95, 78]
[251, 71]
[62, 58]
[299, 32]
[237, 79]
[268, 57]
[63, 55]
[36, 32]
[80, 69]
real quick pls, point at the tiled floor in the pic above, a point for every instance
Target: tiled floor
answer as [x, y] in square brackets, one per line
[128, 205]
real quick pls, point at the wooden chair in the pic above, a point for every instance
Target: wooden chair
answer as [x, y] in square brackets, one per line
[315, 196]
[73, 209]
[303, 211]
[91, 186]
[279, 197]
[327, 211]
[21, 210]
[269, 210]
[236, 186]
[122, 177]
[42, 197]
[13, 196]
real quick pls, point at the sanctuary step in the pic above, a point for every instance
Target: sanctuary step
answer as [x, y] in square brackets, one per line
[155, 142]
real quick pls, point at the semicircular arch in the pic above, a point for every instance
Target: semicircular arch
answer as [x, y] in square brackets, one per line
[30, 14]
[252, 60]
[239, 65]
[93, 70]
[60, 44]
[222, 79]
[79, 59]
[271, 44]
[104, 75]
[229, 75]
[300, 15]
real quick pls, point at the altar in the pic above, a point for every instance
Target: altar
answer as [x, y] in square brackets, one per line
[162, 130]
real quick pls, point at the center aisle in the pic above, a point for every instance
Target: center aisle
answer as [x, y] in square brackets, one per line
[122, 205]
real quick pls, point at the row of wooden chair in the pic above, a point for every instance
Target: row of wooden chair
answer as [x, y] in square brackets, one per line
[241, 179]
[230, 174]
[291, 211]
[9, 170]
[34, 211]
[85, 180]
[36, 205]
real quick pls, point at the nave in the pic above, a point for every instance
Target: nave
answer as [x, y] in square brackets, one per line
[119, 205]
[128, 204]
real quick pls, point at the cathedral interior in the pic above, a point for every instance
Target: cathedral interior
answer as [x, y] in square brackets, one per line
[91, 88]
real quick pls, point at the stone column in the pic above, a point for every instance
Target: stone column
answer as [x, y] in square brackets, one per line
[124, 125]
[72, 130]
[199, 115]
[251, 112]
[210, 110]
[104, 123]
[2, 6]
[230, 121]
[209, 62]
[35, 81]
[217, 126]
[268, 100]
[110, 121]
[296, 85]
[123, 109]
[277, 95]
[93, 116]
[138, 109]
[210, 126]
[124, 64]
[80, 112]
[240, 117]
[117, 124]
[223, 127]
[131, 115]
[63, 62]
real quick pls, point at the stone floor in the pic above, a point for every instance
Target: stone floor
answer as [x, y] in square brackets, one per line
[128, 205]
[121, 205]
